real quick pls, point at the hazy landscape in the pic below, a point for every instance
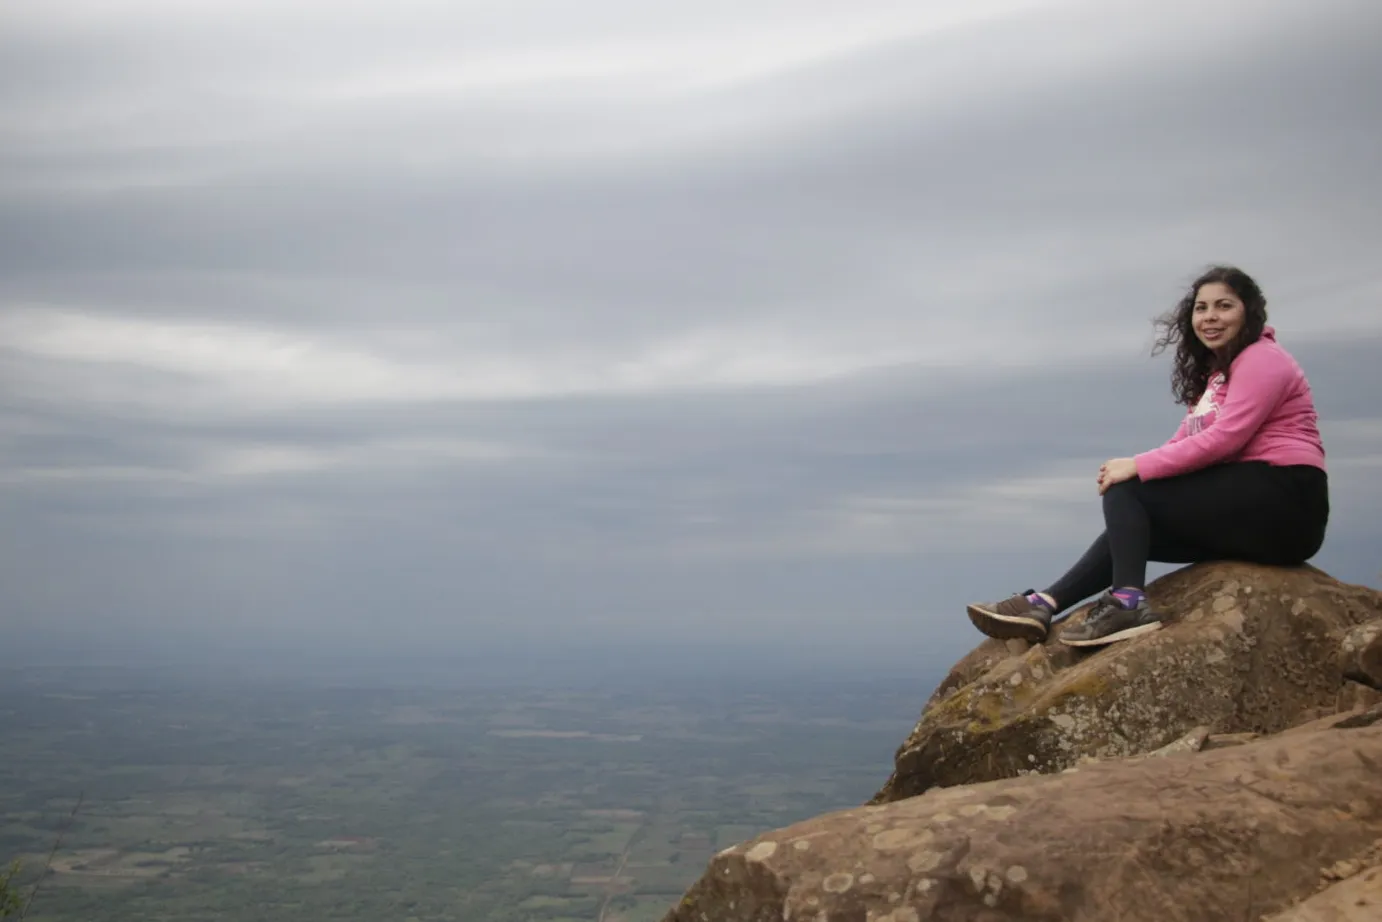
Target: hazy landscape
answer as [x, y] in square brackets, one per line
[272, 801]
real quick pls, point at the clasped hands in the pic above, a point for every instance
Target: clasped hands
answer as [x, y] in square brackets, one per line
[1116, 470]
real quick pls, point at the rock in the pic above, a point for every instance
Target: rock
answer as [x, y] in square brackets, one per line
[1360, 654]
[1342, 870]
[1347, 720]
[1247, 649]
[1016, 647]
[1225, 740]
[1193, 741]
[1360, 718]
[1354, 695]
[1230, 834]
[1355, 899]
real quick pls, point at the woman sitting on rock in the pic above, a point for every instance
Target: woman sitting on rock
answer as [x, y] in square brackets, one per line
[1242, 479]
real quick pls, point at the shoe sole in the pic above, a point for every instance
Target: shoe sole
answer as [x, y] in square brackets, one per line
[1124, 634]
[1006, 627]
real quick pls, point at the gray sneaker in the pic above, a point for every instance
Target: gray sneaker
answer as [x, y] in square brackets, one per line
[1013, 618]
[1108, 621]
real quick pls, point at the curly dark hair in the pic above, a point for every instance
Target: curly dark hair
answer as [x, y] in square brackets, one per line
[1195, 362]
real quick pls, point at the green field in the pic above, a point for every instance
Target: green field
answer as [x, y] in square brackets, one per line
[261, 804]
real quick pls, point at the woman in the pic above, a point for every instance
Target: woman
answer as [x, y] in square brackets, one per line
[1243, 478]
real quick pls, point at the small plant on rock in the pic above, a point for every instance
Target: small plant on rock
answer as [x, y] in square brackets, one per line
[9, 896]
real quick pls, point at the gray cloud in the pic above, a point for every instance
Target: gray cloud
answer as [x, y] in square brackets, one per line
[797, 323]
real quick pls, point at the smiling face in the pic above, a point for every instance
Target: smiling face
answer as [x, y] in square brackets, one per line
[1218, 315]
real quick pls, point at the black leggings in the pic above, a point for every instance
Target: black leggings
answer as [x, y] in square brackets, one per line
[1250, 511]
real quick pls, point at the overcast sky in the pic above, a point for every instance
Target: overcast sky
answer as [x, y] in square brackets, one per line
[331, 326]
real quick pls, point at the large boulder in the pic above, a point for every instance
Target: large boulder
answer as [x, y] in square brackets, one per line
[1233, 833]
[1246, 650]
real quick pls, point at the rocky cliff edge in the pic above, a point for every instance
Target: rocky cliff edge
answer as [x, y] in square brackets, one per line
[1228, 766]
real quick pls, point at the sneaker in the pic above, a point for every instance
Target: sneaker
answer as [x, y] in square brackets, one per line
[1108, 621]
[1014, 618]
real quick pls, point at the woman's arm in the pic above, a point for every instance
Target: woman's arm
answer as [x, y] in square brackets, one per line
[1260, 380]
[1181, 431]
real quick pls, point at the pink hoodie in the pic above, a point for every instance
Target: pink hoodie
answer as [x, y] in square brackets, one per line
[1263, 412]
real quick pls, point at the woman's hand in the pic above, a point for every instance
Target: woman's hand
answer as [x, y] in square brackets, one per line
[1114, 471]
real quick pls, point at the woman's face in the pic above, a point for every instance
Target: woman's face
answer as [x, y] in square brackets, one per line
[1218, 315]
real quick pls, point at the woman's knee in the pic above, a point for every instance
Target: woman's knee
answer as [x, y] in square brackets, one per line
[1121, 495]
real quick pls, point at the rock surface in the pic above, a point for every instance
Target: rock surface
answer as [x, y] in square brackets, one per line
[1234, 833]
[1354, 899]
[1246, 650]
[1360, 654]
